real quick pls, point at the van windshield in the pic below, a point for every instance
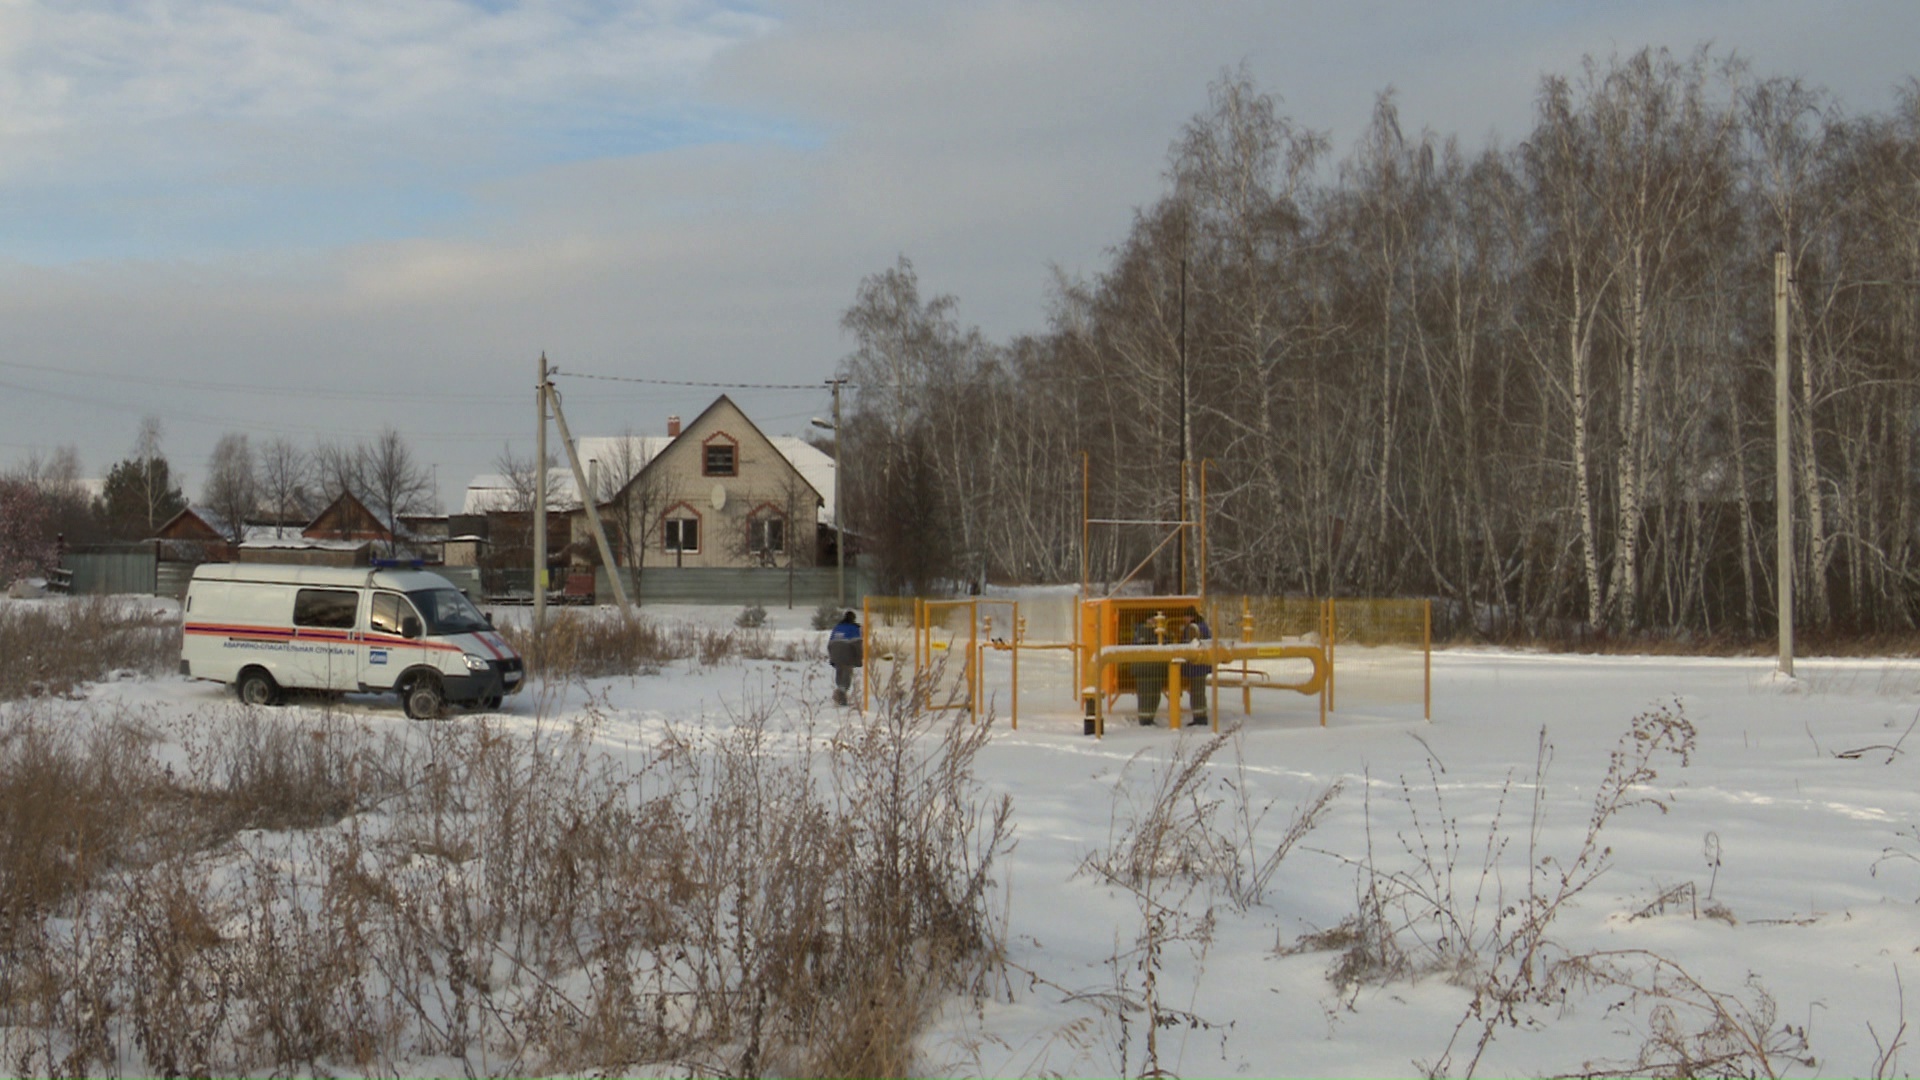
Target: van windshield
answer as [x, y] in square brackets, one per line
[447, 611]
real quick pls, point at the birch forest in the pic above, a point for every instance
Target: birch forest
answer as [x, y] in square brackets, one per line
[1534, 382]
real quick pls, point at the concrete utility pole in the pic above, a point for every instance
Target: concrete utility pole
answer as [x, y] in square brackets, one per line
[839, 534]
[1782, 473]
[540, 508]
[587, 497]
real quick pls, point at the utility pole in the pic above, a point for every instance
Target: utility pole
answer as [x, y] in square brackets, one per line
[1782, 479]
[1186, 453]
[587, 498]
[540, 508]
[840, 535]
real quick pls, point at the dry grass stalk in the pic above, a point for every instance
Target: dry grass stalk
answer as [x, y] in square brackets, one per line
[1169, 849]
[54, 646]
[1422, 918]
[306, 896]
[602, 643]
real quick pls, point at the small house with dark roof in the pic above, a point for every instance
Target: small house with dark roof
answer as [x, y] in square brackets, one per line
[195, 535]
[347, 518]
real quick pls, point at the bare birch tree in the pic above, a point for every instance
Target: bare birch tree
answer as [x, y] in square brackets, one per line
[232, 488]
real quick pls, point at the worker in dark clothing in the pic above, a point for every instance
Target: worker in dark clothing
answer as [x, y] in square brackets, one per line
[1195, 674]
[1149, 680]
[844, 652]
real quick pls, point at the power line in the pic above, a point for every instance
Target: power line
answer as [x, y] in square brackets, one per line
[684, 382]
[277, 391]
[238, 423]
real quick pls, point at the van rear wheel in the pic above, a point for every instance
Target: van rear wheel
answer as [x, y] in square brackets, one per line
[424, 700]
[256, 687]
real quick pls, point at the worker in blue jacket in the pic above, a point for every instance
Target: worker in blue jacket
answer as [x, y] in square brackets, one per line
[844, 652]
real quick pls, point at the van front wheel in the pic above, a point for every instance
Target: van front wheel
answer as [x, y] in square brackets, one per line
[256, 687]
[424, 699]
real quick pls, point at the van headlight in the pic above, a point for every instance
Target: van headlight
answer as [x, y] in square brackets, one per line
[474, 663]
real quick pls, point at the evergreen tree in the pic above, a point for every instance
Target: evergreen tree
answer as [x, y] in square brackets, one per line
[138, 497]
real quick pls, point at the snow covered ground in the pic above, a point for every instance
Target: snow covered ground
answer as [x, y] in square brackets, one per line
[1788, 851]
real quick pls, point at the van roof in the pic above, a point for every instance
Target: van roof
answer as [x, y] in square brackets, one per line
[335, 576]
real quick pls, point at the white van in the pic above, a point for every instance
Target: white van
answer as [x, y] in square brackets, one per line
[265, 629]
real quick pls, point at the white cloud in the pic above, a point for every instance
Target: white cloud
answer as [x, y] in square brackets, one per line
[84, 87]
[427, 194]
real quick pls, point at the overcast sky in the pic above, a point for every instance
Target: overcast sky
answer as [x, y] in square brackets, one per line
[322, 217]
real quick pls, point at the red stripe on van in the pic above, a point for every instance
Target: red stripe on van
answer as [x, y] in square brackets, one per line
[268, 633]
[386, 641]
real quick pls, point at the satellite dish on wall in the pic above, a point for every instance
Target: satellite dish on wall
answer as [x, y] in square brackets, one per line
[719, 496]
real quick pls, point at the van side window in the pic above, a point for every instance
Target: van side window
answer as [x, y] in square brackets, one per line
[389, 612]
[329, 608]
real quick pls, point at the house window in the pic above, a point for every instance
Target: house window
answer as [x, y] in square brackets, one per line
[767, 536]
[721, 457]
[682, 535]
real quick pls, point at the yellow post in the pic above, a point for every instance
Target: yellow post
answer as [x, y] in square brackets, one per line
[1079, 632]
[1326, 645]
[1019, 630]
[1426, 647]
[1246, 634]
[973, 655]
[1213, 680]
[1173, 673]
[1333, 633]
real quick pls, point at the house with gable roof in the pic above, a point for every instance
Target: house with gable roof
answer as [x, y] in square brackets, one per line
[195, 534]
[720, 493]
[713, 494]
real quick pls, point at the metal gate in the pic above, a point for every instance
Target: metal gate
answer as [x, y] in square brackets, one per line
[120, 568]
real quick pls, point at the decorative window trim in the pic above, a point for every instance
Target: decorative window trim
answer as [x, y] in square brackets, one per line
[683, 511]
[769, 512]
[707, 446]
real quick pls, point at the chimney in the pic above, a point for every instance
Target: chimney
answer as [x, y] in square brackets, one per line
[673, 427]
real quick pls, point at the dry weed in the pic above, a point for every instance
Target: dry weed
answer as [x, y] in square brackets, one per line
[1692, 1029]
[53, 646]
[306, 897]
[606, 642]
[1425, 917]
[1169, 849]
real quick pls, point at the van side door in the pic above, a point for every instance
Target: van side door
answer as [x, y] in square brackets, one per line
[323, 653]
[394, 639]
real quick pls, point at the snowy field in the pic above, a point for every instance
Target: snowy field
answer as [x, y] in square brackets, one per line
[1772, 901]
